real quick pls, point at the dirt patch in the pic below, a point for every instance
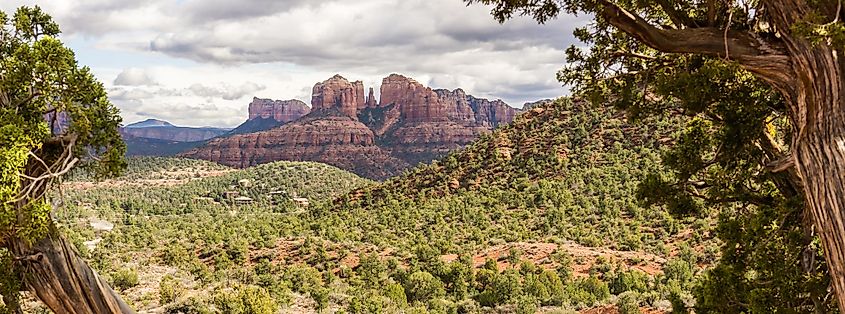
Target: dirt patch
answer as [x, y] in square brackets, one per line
[166, 178]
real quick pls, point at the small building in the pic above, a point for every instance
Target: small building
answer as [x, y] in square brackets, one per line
[301, 201]
[243, 200]
[230, 194]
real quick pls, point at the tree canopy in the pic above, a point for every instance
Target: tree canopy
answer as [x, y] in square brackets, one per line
[54, 116]
[760, 82]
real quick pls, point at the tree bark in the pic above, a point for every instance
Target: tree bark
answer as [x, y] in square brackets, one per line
[809, 77]
[56, 275]
[820, 160]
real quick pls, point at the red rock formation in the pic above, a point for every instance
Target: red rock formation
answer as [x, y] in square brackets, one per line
[410, 124]
[336, 140]
[457, 104]
[416, 102]
[338, 93]
[280, 110]
[371, 99]
[471, 111]
[491, 114]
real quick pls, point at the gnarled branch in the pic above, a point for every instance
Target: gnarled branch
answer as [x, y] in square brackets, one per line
[766, 58]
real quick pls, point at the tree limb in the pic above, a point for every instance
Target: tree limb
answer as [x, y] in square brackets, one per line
[679, 19]
[764, 57]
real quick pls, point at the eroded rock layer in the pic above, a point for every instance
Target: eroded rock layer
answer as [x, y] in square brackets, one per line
[410, 123]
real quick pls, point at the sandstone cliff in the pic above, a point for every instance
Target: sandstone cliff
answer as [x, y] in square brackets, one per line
[265, 114]
[338, 140]
[338, 94]
[410, 123]
[283, 111]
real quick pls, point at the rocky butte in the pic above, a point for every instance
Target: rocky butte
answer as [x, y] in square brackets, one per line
[265, 114]
[347, 128]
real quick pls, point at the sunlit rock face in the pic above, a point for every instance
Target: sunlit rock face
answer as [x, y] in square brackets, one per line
[409, 123]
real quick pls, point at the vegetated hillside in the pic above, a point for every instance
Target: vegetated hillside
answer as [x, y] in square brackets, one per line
[182, 218]
[140, 146]
[540, 214]
[559, 181]
[562, 169]
[151, 167]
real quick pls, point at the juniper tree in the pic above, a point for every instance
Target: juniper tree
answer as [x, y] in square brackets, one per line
[762, 81]
[54, 117]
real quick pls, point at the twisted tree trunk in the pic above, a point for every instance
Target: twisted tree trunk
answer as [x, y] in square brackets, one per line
[56, 275]
[810, 79]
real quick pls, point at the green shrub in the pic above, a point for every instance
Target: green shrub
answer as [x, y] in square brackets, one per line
[627, 280]
[526, 305]
[169, 289]
[367, 304]
[628, 303]
[588, 291]
[245, 300]
[321, 298]
[396, 293]
[125, 278]
[423, 286]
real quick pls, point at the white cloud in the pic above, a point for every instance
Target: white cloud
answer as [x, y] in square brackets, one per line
[134, 77]
[221, 52]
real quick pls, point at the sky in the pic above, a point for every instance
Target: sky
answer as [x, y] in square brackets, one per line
[200, 62]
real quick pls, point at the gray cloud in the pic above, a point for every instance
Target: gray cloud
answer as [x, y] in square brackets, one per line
[439, 41]
[226, 92]
[134, 77]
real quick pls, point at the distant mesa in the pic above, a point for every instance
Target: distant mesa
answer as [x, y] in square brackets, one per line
[265, 114]
[162, 130]
[150, 123]
[350, 129]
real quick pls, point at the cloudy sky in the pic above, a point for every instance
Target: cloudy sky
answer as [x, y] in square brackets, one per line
[200, 62]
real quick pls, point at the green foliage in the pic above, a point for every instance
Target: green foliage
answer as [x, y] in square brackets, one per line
[41, 83]
[245, 300]
[422, 287]
[321, 297]
[737, 126]
[588, 291]
[124, 278]
[169, 290]
[628, 303]
[10, 285]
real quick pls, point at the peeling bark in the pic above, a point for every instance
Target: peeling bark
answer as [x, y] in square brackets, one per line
[809, 77]
[56, 275]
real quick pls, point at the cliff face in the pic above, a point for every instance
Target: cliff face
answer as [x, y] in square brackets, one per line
[337, 140]
[472, 111]
[265, 114]
[411, 123]
[283, 111]
[416, 102]
[339, 94]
